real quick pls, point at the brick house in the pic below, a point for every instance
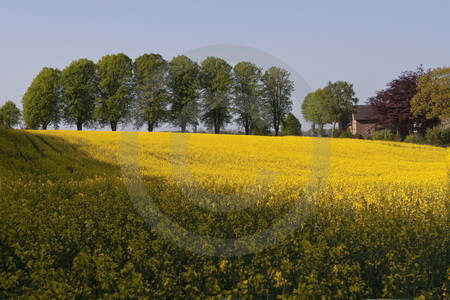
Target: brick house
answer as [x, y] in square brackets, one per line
[361, 122]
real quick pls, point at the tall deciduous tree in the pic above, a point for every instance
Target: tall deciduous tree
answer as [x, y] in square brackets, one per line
[277, 90]
[338, 103]
[151, 89]
[313, 111]
[247, 94]
[115, 74]
[433, 95]
[80, 89]
[9, 114]
[183, 87]
[42, 101]
[216, 83]
[392, 106]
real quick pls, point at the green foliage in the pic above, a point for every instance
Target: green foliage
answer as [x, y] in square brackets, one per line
[291, 126]
[69, 230]
[331, 104]
[414, 138]
[433, 96]
[438, 136]
[277, 90]
[80, 89]
[346, 134]
[42, 100]
[151, 89]
[247, 94]
[216, 83]
[261, 127]
[115, 74]
[382, 135]
[312, 110]
[337, 101]
[183, 85]
[9, 115]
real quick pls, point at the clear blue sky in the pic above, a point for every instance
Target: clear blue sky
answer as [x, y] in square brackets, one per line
[367, 43]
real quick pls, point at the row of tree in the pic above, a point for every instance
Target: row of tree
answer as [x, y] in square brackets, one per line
[416, 100]
[150, 91]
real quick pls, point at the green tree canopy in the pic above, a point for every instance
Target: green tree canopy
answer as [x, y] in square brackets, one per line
[312, 110]
[115, 74]
[277, 89]
[9, 114]
[42, 100]
[338, 102]
[80, 89]
[291, 126]
[247, 94]
[433, 96]
[216, 82]
[151, 89]
[183, 86]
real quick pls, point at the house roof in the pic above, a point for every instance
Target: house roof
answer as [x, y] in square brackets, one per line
[363, 113]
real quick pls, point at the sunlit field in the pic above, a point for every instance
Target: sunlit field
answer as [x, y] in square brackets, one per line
[379, 226]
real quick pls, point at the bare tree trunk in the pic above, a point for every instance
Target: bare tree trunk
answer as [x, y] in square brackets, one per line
[332, 129]
[150, 126]
[79, 124]
[183, 123]
[113, 125]
[247, 126]
[321, 130]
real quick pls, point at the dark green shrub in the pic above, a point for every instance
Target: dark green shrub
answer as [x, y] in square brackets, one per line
[346, 134]
[291, 126]
[414, 138]
[438, 136]
[382, 135]
[261, 129]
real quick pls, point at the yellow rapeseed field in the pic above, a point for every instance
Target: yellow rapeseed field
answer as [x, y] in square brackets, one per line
[71, 226]
[350, 170]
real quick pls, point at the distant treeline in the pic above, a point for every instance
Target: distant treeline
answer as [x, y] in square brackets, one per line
[151, 91]
[415, 103]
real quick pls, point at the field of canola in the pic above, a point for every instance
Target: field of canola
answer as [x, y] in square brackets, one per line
[379, 226]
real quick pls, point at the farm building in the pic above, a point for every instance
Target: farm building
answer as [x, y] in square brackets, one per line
[361, 121]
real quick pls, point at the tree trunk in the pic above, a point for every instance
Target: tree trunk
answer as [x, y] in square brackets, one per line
[150, 126]
[320, 130]
[277, 129]
[313, 129]
[79, 124]
[332, 129]
[113, 125]
[217, 121]
[342, 125]
[194, 127]
[247, 127]
[183, 126]
[44, 126]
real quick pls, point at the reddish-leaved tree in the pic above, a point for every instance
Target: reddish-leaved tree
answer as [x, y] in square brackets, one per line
[391, 107]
